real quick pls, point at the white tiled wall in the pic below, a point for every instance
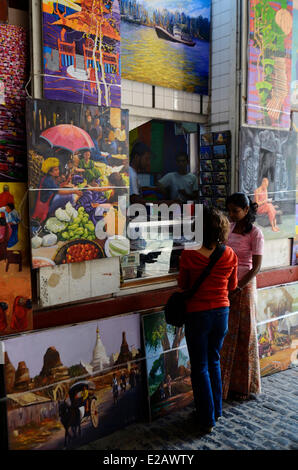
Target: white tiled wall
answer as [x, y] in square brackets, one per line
[169, 104]
[223, 63]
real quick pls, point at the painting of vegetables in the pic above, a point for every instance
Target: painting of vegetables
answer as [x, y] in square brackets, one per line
[78, 172]
[269, 70]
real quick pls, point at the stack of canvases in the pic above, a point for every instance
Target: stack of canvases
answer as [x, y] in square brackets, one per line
[15, 297]
[68, 386]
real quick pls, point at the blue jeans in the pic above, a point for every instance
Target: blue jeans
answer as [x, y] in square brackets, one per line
[204, 333]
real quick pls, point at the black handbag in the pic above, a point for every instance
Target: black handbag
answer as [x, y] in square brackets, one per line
[175, 308]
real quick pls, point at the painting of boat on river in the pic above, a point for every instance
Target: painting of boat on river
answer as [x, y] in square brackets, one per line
[165, 46]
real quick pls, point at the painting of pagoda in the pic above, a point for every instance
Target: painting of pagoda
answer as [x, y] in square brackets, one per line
[81, 51]
[46, 372]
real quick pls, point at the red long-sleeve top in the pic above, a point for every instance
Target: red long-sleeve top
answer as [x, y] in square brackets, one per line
[214, 291]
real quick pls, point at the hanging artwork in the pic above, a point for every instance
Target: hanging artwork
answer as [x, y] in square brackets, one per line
[13, 78]
[277, 327]
[269, 63]
[215, 171]
[267, 173]
[78, 181]
[168, 367]
[68, 386]
[81, 51]
[15, 275]
[173, 43]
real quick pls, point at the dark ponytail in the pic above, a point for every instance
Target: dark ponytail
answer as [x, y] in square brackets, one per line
[243, 201]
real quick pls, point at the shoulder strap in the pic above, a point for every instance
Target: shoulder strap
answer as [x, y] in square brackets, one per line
[217, 253]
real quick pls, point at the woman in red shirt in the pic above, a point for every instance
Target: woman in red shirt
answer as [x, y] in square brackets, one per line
[207, 315]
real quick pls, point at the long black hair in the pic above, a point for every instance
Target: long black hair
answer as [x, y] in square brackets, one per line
[243, 201]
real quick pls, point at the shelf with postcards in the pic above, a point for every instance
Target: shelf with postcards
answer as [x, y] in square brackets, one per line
[215, 168]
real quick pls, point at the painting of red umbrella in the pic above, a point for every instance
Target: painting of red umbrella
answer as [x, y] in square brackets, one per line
[68, 137]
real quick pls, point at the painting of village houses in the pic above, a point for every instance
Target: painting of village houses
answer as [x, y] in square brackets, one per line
[15, 275]
[78, 181]
[277, 310]
[168, 367]
[81, 51]
[69, 386]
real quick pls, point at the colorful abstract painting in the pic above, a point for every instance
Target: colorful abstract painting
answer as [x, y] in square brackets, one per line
[13, 79]
[269, 63]
[15, 274]
[294, 81]
[277, 316]
[168, 367]
[81, 51]
[68, 386]
[267, 169]
[173, 42]
[78, 181]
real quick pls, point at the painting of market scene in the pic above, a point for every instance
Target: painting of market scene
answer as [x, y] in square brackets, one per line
[173, 40]
[277, 309]
[78, 181]
[15, 276]
[269, 67]
[168, 367]
[69, 386]
[81, 51]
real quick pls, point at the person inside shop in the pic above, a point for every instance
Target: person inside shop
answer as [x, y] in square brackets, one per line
[139, 163]
[239, 357]
[206, 320]
[180, 185]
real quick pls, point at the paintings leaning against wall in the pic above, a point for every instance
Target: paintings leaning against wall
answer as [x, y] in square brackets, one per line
[269, 63]
[267, 173]
[78, 181]
[81, 51]
[15, 275]
[13, 79]
[168, 367]
[277, 317]
[68, 386]
[173, 42]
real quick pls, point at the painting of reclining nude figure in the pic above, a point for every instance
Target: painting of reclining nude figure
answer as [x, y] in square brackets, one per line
[267, 174]
[68, 386]
[81, 51]
[168, 367]
[15, 276]
[78, 171]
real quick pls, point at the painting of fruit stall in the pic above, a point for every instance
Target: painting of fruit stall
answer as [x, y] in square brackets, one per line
[269, 67]
[78, 181]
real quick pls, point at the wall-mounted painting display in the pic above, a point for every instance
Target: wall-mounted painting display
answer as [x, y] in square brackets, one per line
[267, 174]
[78, 171]
[215, 171]
[15, 276]
[13, 78]
[81, 51]
[168, 367]
[68, 386]
[269, 63]
[173, 42]
[277, 319]
[294, 82]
